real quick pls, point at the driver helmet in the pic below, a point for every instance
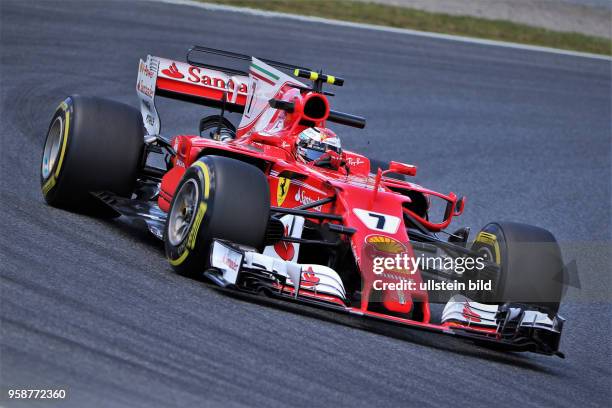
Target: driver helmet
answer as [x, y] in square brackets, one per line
[313, 142]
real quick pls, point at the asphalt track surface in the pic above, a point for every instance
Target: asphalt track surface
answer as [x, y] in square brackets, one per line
[93, 306]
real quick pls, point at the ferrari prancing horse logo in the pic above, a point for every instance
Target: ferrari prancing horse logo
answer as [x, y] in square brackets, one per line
[282, 189]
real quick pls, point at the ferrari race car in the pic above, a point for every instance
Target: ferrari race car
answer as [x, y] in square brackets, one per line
[275, 207]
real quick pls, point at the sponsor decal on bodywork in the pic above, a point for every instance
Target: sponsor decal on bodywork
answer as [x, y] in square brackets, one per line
[145, 88]
[237, 85]
[385, 244]
[282, 189]
[302, 198]
[173, 72]
[354, 161]
[227, 259]
[309, 278]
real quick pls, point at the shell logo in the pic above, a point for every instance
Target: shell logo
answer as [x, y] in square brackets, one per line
[385, 244]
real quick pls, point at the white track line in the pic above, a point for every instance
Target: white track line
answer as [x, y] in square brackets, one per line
[405, 31]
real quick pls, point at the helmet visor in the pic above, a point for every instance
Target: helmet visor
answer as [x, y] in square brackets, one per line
[310, 154]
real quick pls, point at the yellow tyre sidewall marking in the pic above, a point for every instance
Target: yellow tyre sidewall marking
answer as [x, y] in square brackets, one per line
[193, 234]
[180, 259]
[49, 184]
[491, 240]
[52, 181]
[204, 169]
[64, 143]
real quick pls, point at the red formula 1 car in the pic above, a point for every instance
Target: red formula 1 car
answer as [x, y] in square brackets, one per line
[275, 207]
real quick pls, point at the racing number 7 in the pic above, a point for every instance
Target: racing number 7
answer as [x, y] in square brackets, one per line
[380, 223]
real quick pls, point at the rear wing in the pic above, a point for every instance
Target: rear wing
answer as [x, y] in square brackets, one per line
[190, 83]
[215, 86]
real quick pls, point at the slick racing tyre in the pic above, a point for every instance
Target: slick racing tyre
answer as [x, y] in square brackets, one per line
[92, 144]
[219, 198]
[217, 127]
[531, 266]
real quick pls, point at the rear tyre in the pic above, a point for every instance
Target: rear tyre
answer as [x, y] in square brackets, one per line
[218, 198]
[92, 144]
[218, 128]
[530, 261]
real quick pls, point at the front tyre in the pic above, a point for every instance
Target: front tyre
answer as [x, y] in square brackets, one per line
[218, 198]
[530, 264]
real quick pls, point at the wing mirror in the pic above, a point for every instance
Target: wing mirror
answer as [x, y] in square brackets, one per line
[402, 168]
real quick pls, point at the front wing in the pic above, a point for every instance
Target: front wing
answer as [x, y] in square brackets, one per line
[515, 327]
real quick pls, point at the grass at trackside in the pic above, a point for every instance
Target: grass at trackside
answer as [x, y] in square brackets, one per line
[402, 17]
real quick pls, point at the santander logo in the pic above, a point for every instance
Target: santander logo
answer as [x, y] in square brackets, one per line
[173, 72]
[228, 261]
[309, 278]
[302, 198]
